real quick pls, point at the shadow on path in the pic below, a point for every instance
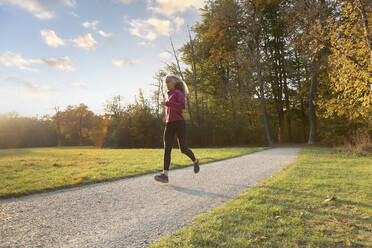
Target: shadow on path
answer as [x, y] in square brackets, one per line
[200, 193]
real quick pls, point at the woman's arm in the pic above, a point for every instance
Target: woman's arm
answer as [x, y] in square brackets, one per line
[178, 103]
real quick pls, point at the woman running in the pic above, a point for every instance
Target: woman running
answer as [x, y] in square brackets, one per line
[175, 124]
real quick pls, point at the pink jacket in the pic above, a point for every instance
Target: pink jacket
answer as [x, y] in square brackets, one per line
[174, 106]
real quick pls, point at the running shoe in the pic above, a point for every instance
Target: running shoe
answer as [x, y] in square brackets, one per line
[161, 178]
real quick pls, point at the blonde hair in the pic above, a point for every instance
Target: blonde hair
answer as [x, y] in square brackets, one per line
[180, 84]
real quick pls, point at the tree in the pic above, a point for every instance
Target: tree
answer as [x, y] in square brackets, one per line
[312, 19]
[349, 92]
[253, 41]
[179, 72]
[159, 93]
[57, 123]
[76, 124]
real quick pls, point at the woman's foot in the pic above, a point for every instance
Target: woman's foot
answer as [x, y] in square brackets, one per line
[161, 178]
[196, 166]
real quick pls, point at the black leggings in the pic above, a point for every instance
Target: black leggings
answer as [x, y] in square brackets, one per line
[175, 128]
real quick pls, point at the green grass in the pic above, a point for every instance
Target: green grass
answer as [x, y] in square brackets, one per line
[25, 171]
[289, 209]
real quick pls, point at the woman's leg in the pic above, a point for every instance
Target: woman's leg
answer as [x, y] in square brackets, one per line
[181, 136]
[169, 132]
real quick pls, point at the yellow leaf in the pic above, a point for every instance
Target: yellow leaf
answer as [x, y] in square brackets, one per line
[365, 216]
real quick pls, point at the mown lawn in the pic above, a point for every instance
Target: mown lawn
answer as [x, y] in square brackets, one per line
[324, 199]
[25, 171]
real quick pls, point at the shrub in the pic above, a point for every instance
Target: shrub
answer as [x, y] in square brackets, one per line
[359, 142]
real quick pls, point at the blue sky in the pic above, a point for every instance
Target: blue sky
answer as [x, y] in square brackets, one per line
[61, 52]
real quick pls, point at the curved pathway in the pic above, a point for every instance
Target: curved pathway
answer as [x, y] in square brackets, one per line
[132, 212]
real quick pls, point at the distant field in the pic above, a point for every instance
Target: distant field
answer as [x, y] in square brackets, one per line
[25, 171]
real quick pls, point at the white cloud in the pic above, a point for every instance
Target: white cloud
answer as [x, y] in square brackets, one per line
[162, 26]
[7, 92]
[86, 42]
[73, 13]
[70, 3]
[34, 6]
[171, 7]
[26, 87]
[165, 55]
[12, 59]
[39, 8]
[62, 64]
[106, 35]
[123, 1]
[178, 22]
[123, 62]
[45, 15]
[80, 85]
[145, 43]
[142, 29]
[92, 25]
[151, 28]
[51, 38]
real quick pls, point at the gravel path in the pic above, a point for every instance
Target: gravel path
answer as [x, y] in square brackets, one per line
[132, 212]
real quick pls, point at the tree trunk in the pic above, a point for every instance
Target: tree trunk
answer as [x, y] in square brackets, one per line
[303, 115]
[230, 95]
[288, 111]
[181, 74]
[194, 79]
[80, 129]
[262, 95]
[289, 126]
[363, 12]
[266, 119]
[281, 123]
[58, 126]
[318, 60]
[312, 93]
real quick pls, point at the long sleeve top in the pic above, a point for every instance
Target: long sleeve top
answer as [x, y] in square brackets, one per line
[174, 105]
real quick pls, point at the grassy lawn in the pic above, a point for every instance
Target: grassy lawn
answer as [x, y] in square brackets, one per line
[291, 209]
[25, 171]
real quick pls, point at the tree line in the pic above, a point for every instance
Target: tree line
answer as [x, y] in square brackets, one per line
[286, 70]
[258, 71]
